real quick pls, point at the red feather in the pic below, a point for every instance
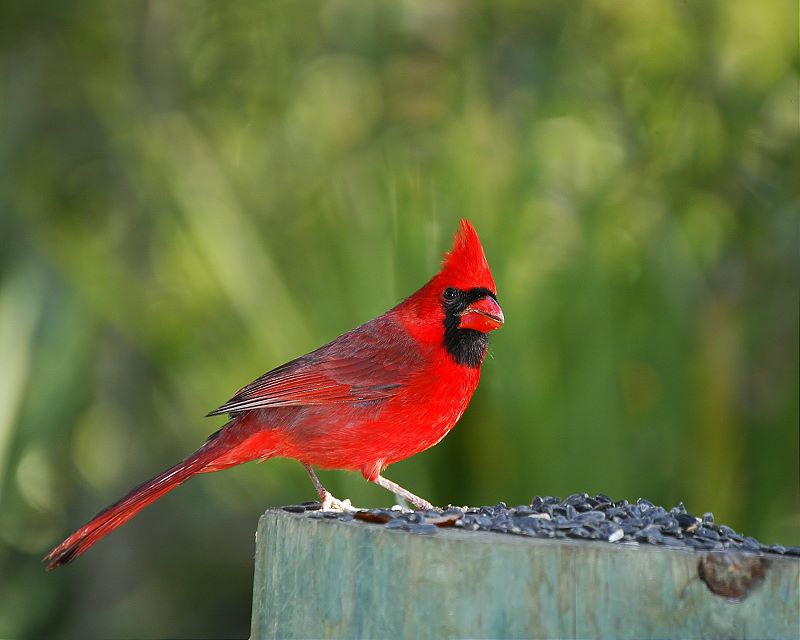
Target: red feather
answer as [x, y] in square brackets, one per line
[367, 363]
[375, 395]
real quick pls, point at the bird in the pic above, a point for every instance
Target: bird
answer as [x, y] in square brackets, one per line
[380, 393]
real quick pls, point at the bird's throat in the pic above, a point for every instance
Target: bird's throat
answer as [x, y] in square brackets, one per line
[466, 346]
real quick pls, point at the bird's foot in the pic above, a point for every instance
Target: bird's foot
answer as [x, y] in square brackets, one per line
[397, 490]
[330, 503]
[420, 503]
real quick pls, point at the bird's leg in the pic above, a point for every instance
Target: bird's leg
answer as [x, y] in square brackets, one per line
[418, 502]
[329, 503]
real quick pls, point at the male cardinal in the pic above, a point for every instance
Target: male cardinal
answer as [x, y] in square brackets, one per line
[378, 394]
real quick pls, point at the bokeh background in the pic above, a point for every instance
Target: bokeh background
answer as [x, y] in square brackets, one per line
[192, 193]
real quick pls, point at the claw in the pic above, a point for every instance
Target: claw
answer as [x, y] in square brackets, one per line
[329, 503]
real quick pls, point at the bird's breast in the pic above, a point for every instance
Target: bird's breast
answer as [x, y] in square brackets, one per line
[429, 410]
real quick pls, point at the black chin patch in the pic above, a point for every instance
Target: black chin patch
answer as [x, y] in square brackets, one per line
[466, 346]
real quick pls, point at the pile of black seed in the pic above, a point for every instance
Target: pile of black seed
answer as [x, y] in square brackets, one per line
[580, 516]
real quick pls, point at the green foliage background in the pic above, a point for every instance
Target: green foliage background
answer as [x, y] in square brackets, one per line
[192, 193]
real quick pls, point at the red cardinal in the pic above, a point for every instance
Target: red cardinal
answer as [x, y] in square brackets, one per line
[377, 394]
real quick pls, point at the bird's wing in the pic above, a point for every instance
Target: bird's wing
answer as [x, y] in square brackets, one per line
[369, 363]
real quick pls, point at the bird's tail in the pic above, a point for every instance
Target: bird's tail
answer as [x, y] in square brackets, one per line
[124, 509]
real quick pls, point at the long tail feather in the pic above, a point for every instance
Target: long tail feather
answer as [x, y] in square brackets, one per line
[124, 509]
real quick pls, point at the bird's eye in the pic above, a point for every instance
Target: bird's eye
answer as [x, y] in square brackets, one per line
[450, 293]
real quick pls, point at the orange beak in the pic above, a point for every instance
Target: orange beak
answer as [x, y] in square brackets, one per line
[483, 315]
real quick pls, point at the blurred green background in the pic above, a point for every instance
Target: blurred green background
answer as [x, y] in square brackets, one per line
[192, 193]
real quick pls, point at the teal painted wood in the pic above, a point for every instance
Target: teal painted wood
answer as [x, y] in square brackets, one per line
[328, 579]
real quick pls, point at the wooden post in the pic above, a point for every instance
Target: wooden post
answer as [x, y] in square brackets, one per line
[319, 578]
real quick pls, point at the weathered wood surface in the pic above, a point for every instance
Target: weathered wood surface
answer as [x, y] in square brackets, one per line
[328, 579]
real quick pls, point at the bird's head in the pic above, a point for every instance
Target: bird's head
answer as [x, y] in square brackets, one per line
[458, 306]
